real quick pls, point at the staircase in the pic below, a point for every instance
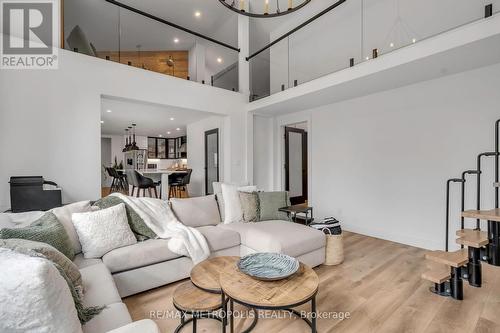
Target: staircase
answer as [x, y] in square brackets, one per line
[450, 269]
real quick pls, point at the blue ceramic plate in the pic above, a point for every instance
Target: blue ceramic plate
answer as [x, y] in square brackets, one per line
[268, 266]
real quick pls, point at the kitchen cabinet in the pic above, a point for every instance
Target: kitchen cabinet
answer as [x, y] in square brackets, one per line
[167, 148]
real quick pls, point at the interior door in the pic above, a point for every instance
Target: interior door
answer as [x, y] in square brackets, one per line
[211, 159]
[296, 164]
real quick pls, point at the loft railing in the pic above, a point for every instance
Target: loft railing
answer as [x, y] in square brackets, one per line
[350, 32]
[114, 31]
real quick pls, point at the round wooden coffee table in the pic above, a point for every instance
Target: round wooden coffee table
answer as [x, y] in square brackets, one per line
[205, 275]
[284, 294]
[190, 300]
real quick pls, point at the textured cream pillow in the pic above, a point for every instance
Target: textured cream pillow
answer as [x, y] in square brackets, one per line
[35, 297]
[103, 230]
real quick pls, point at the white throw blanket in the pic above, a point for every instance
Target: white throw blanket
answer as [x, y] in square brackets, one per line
[158, 216]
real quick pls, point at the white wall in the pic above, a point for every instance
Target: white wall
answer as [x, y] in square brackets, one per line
[263, 150]
[50, 119]
[380, 163]
[196, 151]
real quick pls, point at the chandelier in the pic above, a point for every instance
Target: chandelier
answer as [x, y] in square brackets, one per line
[130, 143]
[263, 8]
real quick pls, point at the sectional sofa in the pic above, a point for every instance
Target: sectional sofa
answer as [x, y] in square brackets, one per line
[150, 264]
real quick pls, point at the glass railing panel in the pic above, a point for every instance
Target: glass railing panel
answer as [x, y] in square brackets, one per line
[278, 66]
[392, 24]
[221, 66]
[326, 45]
[92, 27]
[154, 46]
[260, 80]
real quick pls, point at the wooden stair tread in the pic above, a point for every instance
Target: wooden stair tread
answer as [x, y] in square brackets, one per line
[455, 259]
[489, 215]
[437, 276]
[472, 238]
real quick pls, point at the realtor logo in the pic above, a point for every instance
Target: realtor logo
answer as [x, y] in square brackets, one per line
[30, 32]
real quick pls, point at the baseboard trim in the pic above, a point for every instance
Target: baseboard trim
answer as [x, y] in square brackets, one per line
[428, 244]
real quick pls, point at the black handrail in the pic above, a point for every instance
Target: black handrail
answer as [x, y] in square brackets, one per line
[158, 19]
[464, 174]
[453, 180]
[497, 152]
[297, 28]
[478, 195]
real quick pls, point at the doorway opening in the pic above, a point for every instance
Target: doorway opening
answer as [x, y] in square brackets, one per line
[211, 159]
[296, 169]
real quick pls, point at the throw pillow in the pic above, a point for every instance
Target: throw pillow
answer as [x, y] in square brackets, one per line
[140, 229]
[35, 297]
[47, 229]
[49, 252]
[103, 230]
[232, 205]
[217, 186]
[250, 206]
[64, 213]
[270, 202]
[197, 211]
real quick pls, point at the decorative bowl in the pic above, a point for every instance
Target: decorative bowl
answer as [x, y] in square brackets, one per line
[268, 266]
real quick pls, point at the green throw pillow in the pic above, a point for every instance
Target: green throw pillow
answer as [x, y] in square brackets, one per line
[47, 229]
[250, 206]
[140, 229]
[49, 252]
[270, 202]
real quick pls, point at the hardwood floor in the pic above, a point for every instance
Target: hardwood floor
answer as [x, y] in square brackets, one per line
[379, 284]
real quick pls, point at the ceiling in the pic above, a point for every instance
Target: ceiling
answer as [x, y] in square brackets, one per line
[151, 119]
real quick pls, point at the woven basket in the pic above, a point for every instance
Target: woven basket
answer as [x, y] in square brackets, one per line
[334, 250]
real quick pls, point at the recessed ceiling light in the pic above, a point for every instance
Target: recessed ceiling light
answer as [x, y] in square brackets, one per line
[109, 111]
[168, 132]
[177, 129]
[161, 136]
[391, 45]
[219, 60]
[102, 121]
[197, 13]
[414, 40]
[176, 40]
[171, 118]
[367, 58]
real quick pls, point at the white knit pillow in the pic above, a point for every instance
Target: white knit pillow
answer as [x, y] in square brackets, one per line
[102, 231]
[232, 205]
[34, 296]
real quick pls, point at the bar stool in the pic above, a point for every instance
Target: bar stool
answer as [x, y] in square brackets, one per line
[180, 183]
[119, 182]
[140, 182]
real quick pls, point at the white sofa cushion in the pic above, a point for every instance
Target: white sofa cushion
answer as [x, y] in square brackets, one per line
[219, 238]
[82, 262]
[112, 317]
[99, 287]
[142, 326]
[34, 296]
[103, 230]
[138, 255]
[64, 214]
[196, 211]
[278, 236]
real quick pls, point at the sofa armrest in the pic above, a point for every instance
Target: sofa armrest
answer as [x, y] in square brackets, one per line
[142, 326]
